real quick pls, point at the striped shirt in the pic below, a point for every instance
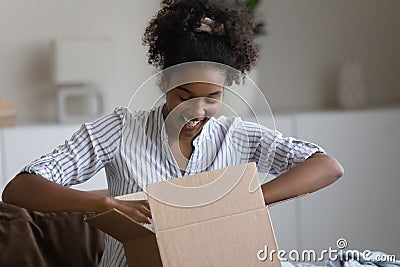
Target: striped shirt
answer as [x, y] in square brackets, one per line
[133, 149]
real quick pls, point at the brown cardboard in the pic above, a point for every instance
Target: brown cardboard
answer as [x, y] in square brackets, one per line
[132, 235]
[228, 231]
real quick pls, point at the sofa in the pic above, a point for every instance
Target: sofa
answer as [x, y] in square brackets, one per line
[31, 238]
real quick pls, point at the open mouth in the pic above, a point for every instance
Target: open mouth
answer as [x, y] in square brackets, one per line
[194, 122]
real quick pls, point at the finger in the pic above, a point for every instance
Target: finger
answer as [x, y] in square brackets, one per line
[145, 211]
[139, 217]
[145, 207]
[145, 203]
[138, 203]
[144, 218]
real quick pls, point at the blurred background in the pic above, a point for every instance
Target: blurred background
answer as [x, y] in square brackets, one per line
[330, 70]
[306, 44]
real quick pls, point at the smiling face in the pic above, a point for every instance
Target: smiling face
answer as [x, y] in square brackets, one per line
[189, 106]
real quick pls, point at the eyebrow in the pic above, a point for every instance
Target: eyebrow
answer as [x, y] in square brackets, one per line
[190, 92]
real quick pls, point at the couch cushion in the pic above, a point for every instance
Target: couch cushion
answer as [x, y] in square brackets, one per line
[30, 238]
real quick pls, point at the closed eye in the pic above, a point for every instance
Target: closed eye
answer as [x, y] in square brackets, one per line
[211, 101]
[207, 100]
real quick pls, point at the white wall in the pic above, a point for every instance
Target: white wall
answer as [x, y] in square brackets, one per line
[308, 39]
[27, 27]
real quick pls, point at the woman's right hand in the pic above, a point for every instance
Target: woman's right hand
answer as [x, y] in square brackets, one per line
[34, 192]
[138, 210]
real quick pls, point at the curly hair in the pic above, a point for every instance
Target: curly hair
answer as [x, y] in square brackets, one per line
[173, 39]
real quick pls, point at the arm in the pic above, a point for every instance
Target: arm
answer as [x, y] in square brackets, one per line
[300, 167]
[39, 185]
[316, 172]
[34, 192]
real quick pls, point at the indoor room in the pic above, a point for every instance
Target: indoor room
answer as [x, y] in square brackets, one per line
[328, 72]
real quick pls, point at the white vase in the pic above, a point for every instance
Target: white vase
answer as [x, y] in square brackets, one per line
[351, 89]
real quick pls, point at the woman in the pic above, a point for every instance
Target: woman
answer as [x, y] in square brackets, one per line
[136, 149]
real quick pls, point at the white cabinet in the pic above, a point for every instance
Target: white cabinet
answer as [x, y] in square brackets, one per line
[363, 206]
[21, 145]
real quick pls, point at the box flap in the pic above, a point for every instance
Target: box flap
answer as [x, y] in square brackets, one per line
[133, 196]
[119, 225]
[209, 195]
[143, 252]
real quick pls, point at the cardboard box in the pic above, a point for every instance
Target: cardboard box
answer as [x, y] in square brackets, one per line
[229, 228]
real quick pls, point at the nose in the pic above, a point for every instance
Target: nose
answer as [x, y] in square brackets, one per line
[197, 108]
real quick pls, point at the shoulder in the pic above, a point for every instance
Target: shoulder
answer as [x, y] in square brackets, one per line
[225, 121]
[235, 123]
[117, 120]
[125, 114]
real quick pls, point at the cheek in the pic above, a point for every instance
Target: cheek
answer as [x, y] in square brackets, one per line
[171, 102]
[212, 109]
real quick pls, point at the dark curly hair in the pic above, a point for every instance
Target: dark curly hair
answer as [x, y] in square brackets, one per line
[173, 39]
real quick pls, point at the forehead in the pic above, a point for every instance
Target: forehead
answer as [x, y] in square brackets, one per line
[190, 77]
[198, 89]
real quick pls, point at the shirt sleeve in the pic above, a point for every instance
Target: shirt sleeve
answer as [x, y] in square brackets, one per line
[84, 154]
[276, 154]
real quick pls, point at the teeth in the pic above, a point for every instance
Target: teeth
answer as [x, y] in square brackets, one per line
[193, 123]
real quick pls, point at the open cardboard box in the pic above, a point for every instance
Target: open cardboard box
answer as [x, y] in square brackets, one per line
[206, 219]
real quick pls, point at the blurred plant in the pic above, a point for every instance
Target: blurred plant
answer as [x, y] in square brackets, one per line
[259, 27]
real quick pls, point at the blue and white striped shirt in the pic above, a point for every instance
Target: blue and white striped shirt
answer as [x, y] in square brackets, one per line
[133, 149]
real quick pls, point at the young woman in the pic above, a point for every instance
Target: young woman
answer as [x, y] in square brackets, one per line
[136, 149]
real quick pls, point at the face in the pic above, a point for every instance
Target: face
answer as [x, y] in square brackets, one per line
[189, 106]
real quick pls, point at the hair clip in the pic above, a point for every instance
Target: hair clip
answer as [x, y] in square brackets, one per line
[210, 26]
